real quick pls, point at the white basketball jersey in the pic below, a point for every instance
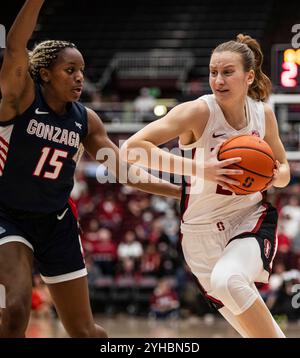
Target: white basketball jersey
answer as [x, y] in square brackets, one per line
[213, 204]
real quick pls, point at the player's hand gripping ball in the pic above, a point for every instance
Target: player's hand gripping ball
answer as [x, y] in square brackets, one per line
[258, 162]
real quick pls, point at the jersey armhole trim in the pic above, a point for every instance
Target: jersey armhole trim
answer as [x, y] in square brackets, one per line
[194, 144]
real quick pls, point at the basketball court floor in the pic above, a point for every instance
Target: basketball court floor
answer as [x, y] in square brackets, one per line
[124, 326]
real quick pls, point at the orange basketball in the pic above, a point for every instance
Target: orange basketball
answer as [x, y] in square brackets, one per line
[257, 162]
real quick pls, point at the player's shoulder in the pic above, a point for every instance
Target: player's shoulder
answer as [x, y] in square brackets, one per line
[92, 116]
[90, 111]
[95, 123]
[267, 109]
[269, 114]
[193, 109]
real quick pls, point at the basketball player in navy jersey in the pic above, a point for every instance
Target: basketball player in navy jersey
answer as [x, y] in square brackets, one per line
[229, 241]
[43, 130]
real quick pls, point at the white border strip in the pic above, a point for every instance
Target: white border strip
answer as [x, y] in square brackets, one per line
[15, 238]
[2, 297]
[65, 277]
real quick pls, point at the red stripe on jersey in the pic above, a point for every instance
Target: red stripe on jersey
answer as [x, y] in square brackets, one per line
[261, 219]
[3, 158]
[276, 244]
[73, 208]
[2, 140]
[3, 151]
[188, 187]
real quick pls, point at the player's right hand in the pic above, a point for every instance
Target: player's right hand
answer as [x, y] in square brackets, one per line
[216, 170]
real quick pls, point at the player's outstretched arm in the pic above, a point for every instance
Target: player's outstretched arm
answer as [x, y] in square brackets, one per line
[14, 76]
[143, 146]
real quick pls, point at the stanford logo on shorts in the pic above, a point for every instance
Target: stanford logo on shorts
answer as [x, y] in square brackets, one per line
[267, 248]
[220, 226]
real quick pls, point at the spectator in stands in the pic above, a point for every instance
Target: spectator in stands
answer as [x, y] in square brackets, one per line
[82, 197]
[43, 121]
[105, 252]
[228, 241]
[170, 259]
[150, 261]
[164, 302]
[283, 245]
[80, 187]
[144, 105]
[156, 234]
[132, 214]
[290, 214]
[130, 247]
[295, 249]
[110, 212]
[90, 236]
[42, 304]
[146, 224]
[281, 302]
[170, 225]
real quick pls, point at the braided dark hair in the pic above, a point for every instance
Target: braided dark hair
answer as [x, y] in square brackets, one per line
[44, 54]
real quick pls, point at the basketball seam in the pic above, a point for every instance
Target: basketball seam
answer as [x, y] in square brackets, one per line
[256, 149]
[248, 191]
[251, 171]
[251, 192]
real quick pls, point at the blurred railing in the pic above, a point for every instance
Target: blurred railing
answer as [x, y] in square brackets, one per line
[121, 117]
[155, 64]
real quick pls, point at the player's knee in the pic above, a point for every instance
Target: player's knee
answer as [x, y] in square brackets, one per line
[226, 282]
[233, 290]
[15, 318]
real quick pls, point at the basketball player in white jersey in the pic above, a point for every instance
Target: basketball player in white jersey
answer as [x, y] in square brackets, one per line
[228, 240]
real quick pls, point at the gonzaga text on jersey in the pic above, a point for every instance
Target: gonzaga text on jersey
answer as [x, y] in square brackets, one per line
[54, 134]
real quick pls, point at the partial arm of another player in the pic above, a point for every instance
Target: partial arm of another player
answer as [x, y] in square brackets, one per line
[15, 79]
[282, 172]
[101, 148]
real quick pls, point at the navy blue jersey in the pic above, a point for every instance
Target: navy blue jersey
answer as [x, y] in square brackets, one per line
[38, 154]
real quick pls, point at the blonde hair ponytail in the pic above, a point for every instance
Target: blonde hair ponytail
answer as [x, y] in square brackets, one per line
[252, 57]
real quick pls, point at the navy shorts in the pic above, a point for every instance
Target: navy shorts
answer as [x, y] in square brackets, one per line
[53, 238]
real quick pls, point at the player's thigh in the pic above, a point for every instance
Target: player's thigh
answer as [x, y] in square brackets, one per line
[241, 256]
[201, 252]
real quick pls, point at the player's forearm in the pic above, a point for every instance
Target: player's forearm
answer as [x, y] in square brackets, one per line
[24, 25]
[140, 179]
[148, 155]
[161, 188]
[283, 177]
[137, 177]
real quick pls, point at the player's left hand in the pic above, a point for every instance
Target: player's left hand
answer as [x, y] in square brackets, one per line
[275, 175]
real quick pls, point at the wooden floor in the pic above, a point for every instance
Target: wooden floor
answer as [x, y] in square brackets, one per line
[123, 326]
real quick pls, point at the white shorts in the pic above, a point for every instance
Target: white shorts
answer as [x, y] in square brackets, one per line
[203, 245]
